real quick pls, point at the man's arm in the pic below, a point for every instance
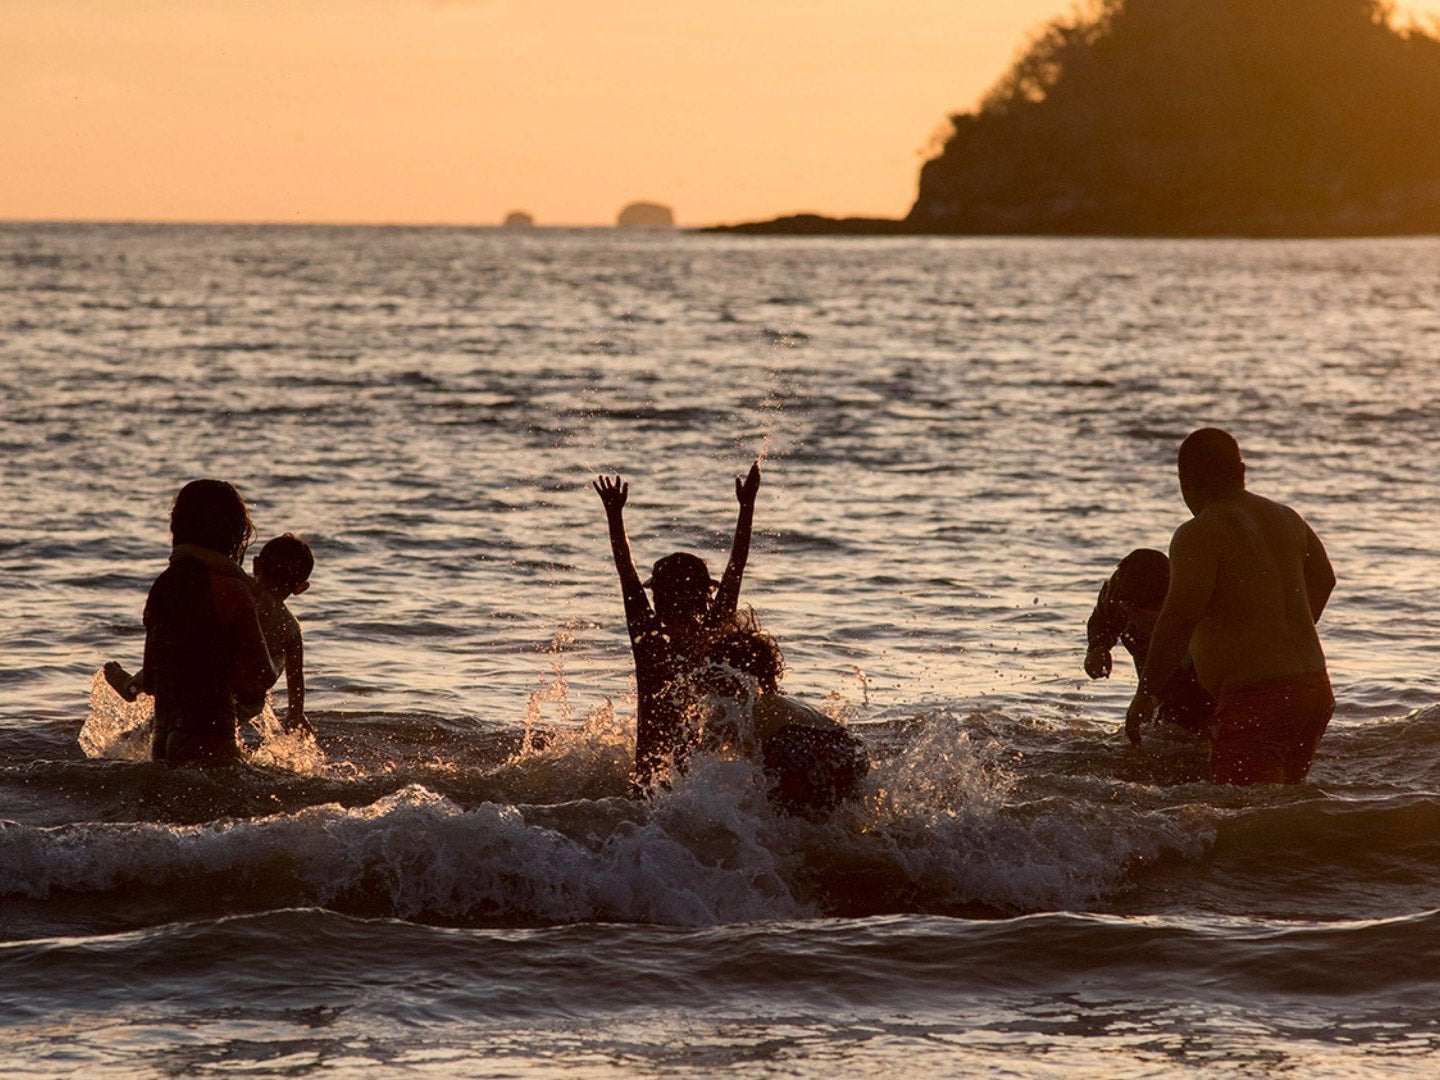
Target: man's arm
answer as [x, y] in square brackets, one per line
[1192, 581]
[728, 595]
[1319, 574]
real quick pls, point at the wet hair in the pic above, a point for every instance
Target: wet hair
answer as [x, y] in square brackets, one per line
[1142, 579]
[211, 514]
[750, 650]
[681, 584]
[286, 559]
[1210, 458]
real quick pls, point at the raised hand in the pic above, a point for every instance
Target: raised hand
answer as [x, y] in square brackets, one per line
[612, 493]
[745, 490]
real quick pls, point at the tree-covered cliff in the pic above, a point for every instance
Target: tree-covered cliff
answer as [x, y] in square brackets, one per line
[1268, 117]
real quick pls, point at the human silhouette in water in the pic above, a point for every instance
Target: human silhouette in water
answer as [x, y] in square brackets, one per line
[1125, 613]
[205, 655]
[1249, 580]
[812, 763]
[282, 569]
[669, 640]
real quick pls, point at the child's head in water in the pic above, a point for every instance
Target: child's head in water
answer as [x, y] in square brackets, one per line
[284, 564]
[745, 648]
[744, 664]
[681, 585]
[210, 514]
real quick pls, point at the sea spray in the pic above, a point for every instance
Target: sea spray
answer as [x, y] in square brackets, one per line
[546, 835]
[120, 730]
[117, 729]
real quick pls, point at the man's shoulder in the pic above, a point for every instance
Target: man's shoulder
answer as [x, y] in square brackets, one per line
[1192, 531]
[1221, 516]
[1280, 519]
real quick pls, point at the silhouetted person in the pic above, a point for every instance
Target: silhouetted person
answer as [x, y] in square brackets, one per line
[1248, 581]
[810, 760]
[669, 640]
[282, 569]
[1125, 613]
[204, 647]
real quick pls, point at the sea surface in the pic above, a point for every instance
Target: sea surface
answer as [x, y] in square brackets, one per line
[959, 439]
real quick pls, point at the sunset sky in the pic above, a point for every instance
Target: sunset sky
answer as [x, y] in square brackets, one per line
[458, 111]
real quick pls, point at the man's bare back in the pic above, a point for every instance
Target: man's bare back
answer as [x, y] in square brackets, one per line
[1258, 622]
[1248, 581]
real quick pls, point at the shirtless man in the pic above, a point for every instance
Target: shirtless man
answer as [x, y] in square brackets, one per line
[1248, 581]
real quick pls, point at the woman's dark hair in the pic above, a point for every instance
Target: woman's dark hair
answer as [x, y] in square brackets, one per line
[211, 514]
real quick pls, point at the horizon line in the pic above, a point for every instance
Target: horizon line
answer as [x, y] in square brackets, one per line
[317, 223]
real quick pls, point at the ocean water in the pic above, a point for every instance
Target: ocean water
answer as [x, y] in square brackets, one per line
[959, 439]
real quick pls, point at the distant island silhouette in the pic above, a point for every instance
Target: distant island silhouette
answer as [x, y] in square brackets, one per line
[646, 215]
[1191, 118]
[519, 219]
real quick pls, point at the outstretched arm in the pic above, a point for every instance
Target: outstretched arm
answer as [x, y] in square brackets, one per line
[613, 494]
[295, 685]
[728, 596]
[1192, 580]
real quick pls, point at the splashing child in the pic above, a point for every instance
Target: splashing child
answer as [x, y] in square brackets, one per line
[812, 763]
[1125, 613]
[669, 640]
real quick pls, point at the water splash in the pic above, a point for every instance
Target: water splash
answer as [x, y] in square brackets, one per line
[117, 729]
[120, 730]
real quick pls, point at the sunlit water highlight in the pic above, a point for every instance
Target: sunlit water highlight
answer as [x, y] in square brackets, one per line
[960, 438]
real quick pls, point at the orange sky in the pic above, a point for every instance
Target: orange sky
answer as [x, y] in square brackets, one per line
[460, 110]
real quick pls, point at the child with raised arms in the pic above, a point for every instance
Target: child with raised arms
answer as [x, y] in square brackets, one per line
[669, 639]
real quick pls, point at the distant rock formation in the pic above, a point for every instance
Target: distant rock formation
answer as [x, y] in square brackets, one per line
[519, 219]
[1201, 117]
[646, 215]
[818, 225]
[1193, 118]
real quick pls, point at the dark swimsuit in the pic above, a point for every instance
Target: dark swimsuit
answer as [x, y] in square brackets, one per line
[1267, 732]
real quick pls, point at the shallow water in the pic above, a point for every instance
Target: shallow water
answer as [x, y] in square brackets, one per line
[960, 438]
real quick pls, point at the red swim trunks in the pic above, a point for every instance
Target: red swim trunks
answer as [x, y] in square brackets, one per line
[1266, 732]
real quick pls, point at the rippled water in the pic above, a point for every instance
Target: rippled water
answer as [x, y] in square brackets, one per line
[960, 437]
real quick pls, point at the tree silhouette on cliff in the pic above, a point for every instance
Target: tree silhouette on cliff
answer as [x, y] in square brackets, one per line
[1269, 117]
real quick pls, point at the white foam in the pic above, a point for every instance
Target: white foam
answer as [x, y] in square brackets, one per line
[941, 827]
